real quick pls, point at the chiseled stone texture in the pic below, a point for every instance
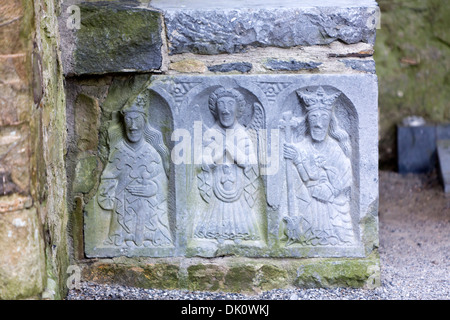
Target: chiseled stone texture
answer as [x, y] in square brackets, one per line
[181, 102]
[290, 65]
[236, 274]
[22, 262]
[112, 37]
[206, 27]
[361, 65]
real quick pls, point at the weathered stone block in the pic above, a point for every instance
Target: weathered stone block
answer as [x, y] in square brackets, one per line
[112, 37]
[188, 66]
[160, 275]
[209, 277]
[237, 274]
[234, 66]
[248, 165]
[206, 27]
[15, 103]
[290, 65]
[339, 273]
[87, 113]
[85, 174]
[360, 65]
[22, 263]
[15, 157]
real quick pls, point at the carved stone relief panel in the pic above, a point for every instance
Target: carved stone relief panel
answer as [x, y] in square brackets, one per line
[257, 166]
[129, 214]
[319, 177]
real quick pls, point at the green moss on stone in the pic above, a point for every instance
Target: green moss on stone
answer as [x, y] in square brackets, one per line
[111, 33]
[206, 277]
[328, 273]
[240, 278]
[270, 277]
[85, 174]
[412, 54]
[369, 227]
[162, 275]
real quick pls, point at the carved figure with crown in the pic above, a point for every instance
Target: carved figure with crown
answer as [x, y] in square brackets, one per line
[134, 184]
[320, 211]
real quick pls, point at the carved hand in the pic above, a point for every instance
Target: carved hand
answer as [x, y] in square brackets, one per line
[147, 190]
[320, 161]
[290, 152]
[323, 192]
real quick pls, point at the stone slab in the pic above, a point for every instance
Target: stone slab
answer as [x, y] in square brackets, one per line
[110, 37]
[416, 148]
[213, 27]
[443, 131]
[235, 274]
[443, 151]
[229, 67]
[242, 207]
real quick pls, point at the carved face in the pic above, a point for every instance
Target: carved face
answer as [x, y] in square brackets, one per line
[134, 126]
[319, 121]
[226, 111]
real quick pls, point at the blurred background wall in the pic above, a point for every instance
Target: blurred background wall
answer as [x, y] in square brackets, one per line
[412, 54]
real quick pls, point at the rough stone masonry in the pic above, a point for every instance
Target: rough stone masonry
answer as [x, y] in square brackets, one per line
[222, 146]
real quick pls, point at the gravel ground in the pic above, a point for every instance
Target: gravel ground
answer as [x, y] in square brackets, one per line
[414, 251]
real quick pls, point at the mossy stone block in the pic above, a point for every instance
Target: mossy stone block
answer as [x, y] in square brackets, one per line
[206, 277]
[85, 174]
[116, 37]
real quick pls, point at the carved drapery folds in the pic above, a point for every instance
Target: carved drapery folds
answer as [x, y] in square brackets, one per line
[206, 191]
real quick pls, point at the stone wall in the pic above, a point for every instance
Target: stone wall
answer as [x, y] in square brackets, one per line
[33, 214]
[109, 60]
[59, 96]
[68, 68]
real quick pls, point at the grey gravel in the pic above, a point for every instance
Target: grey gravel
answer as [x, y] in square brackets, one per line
[414, 251]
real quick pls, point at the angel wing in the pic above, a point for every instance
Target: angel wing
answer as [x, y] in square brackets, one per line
[258, 140]
[256, 124]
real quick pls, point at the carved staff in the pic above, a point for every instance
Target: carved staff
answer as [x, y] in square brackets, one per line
[287, 123]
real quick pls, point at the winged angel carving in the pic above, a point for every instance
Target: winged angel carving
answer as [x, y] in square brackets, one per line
[228, 180]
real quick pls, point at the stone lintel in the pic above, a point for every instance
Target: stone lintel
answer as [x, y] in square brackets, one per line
[217, 27]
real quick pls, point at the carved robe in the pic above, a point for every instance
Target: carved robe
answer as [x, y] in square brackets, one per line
[228, 186]
[142, 218]
[323, 192]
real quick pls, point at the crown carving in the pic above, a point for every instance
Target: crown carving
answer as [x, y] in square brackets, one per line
[136, 105]
[318, 99]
